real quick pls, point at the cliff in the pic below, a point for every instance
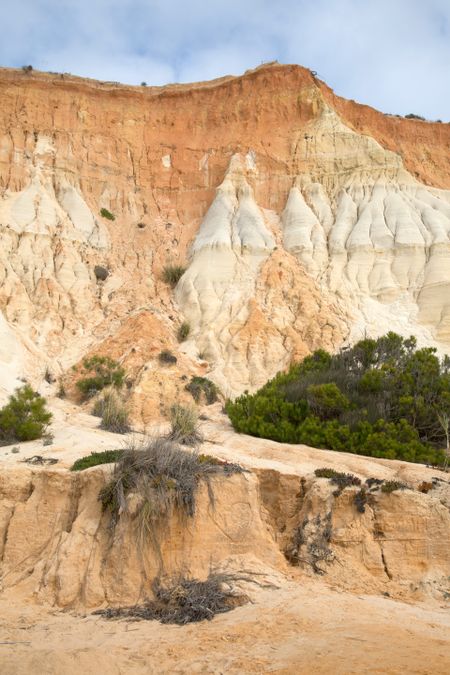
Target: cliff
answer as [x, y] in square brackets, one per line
[303, 220]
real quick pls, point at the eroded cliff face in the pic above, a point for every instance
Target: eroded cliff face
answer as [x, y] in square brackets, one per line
[58, 547]
[303, 220]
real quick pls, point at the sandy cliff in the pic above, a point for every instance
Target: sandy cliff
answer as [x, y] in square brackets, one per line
[304, 220]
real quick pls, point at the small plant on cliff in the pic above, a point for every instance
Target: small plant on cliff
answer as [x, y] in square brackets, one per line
[201, 386]
[167, 357]
[172, 274]
[162, 477]
[310, 543]
[342, 480]
[412, 116]
[393, 485]
[107, 214]
[113, 412]
[24, 417]
[184, 427]
[360, 500]
[183, 331]
[184, 601]
[102, 371]
[97, 458]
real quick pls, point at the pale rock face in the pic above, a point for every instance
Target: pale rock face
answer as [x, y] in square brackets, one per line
[372, 238]
[374, 234]
[48, 234]
[249, 305]
[11, 359]
[233, 241]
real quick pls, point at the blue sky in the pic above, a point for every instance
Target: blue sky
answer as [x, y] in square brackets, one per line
[392, 54]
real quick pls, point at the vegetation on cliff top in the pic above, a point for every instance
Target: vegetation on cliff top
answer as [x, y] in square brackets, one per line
[382, 398]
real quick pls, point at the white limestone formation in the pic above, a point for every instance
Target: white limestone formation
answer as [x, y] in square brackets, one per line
[362, 227]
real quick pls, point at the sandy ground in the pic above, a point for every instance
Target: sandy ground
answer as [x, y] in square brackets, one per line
[307, 628]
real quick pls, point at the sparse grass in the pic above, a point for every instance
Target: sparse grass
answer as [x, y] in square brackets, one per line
[227, 467]
[199, 386]
[183, 601]
[61, 393]
[183, 331]
[184, 427]
[96, 458]
[107, 214]
[167, 357]
[113, 412]
[172, 274]
[162, 476]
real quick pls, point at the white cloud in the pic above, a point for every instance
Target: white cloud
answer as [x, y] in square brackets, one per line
[392, 54]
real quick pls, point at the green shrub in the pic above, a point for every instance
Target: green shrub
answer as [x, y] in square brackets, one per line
[201, 385]
[166, 356]
[172, 274]
[326, 473]
[412, 116]
[183, 331]
[24, 417]
[326, 400]
[107, 214]
[184, 426]
[113, 412]
[103, 372]
[101, 273]
[96, 458]
[382, 398]
[392, 485]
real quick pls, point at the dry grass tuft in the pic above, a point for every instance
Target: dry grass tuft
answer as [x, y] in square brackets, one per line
[113, 412]
[184, 601]
[162, 477]
[184, 426]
